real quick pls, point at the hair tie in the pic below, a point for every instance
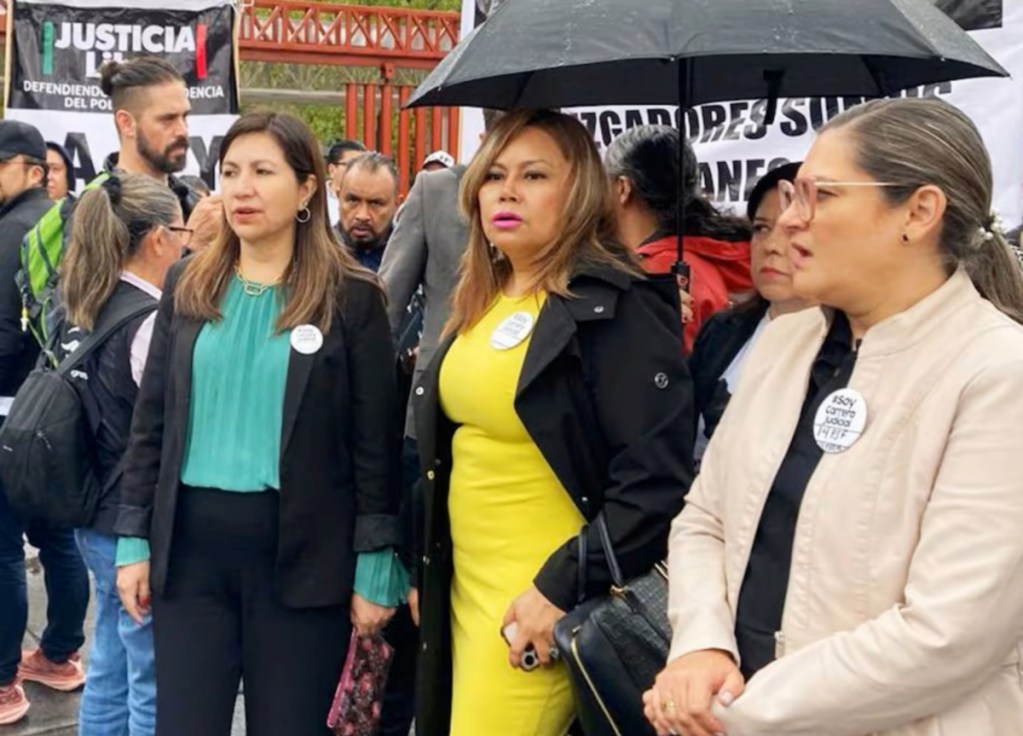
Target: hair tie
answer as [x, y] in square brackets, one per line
[138, 229]
[991, 227]
[112, 185]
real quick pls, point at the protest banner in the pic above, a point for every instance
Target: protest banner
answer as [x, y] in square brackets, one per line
[735, 147]
[56, 50]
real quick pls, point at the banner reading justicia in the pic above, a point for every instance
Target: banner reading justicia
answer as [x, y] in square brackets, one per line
[58, 47]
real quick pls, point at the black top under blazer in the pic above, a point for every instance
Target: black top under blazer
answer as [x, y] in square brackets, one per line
[340, 448]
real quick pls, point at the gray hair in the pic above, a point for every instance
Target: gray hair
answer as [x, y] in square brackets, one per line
[373, 161]
[918, 142]
[647, 156]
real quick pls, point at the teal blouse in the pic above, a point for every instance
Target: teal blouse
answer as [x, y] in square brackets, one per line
[239, 370]
[239, 373]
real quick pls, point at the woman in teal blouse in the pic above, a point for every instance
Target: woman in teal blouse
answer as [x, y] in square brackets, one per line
[260, 494]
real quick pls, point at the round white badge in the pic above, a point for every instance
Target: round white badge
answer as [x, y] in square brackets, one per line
[840, 420]
[512, 331]
[307, 339]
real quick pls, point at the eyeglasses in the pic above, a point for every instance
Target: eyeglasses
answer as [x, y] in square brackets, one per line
[804, 193]
[19, 160]
[184, 234]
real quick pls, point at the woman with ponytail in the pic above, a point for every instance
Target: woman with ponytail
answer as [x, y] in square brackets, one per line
[126, 235]
[849, 560]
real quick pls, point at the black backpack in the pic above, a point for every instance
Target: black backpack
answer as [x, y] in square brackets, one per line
[47, 456]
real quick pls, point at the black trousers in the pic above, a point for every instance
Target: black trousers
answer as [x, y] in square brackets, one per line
[399, 706]
[220, 619]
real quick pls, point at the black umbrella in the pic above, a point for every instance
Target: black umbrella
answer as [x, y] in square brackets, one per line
[562, 53]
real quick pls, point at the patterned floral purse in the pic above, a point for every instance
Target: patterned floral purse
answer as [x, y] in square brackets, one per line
[360, 693]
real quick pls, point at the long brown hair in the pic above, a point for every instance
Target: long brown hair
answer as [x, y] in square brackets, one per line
[916, 142]
[586, 238]
[319, 266]
[109, 225]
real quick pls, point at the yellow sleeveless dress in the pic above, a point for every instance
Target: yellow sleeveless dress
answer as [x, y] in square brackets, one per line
[508, 514]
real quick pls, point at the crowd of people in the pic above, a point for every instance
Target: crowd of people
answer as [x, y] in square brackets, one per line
[421, 419]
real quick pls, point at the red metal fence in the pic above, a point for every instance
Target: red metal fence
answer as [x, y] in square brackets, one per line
[322, 33]
[374, 115]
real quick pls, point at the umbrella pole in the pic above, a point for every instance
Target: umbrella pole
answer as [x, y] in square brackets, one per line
[685, 80]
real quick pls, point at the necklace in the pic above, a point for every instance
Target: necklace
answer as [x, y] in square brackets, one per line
[253, 288]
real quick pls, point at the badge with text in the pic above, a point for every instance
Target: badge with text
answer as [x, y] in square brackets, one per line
[840, 420]
[307, 339]
[512, 331]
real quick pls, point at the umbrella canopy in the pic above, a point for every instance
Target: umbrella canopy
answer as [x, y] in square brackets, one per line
[561, 53]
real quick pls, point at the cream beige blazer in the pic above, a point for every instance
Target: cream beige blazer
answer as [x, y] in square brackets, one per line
[904, 611]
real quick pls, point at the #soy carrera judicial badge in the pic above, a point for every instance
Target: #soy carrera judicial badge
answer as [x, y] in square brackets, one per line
[512, 331]
[307, 339]
[840, 420]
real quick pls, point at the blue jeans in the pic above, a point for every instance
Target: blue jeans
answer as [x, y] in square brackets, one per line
[120, 684]
[67, 590]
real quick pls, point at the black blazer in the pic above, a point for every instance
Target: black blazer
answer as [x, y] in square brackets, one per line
[607, 398]
[720, 339]
[340, 448]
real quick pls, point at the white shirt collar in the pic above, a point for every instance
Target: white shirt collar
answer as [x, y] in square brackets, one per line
[141, 283]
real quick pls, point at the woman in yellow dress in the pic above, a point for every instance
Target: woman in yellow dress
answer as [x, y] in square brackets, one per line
[558, 395]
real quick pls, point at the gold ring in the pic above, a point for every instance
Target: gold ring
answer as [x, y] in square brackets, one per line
[669, 706]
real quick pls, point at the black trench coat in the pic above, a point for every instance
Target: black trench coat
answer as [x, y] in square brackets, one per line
[605, 394]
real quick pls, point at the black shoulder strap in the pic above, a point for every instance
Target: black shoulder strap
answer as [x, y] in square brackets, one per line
[125, 310]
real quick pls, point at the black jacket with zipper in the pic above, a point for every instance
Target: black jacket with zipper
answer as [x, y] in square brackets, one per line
[18, 348]
[606, 396]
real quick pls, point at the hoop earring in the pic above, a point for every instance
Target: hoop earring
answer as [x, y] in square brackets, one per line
[304, 215]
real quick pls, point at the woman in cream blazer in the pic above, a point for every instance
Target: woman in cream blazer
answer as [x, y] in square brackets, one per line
[875, 442]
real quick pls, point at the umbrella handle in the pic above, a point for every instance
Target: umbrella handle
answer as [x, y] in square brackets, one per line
[681, 271]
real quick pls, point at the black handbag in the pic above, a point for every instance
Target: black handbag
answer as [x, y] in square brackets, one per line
[615, 646]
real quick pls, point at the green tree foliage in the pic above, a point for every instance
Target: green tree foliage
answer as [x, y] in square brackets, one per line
[327, 123]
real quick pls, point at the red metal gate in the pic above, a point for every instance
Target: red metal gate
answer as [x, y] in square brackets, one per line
[374, 115]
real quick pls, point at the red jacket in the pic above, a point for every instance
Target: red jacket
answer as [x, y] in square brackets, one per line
[718, 270]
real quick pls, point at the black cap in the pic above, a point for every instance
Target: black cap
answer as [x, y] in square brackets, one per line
[21, 139]
[768, 182]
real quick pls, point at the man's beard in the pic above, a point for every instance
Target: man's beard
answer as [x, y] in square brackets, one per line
[162, 160]
[371, 242]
